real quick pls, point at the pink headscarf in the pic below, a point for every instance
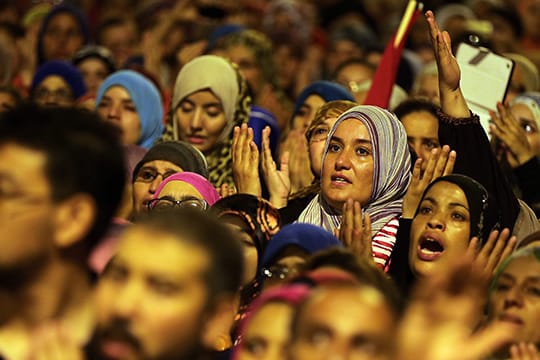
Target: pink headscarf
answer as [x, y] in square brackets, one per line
[292, 294]
[202, 185]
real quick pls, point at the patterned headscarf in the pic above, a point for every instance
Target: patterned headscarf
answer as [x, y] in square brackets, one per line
[391, 170]
[210, 72]
[145, 97]
[263, 222]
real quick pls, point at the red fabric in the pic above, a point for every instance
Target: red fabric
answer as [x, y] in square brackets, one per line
[385, 76]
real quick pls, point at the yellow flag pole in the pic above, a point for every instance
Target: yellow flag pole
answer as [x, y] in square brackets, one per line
[411, 7]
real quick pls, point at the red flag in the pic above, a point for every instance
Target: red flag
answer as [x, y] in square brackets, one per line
[385, 76]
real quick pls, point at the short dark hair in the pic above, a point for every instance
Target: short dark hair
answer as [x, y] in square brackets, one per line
[199, 228]
[111, 22]
[365, 272]
[415, 105]
[83, 153]
[354, 61]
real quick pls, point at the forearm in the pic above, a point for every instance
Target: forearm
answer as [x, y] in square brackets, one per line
[453, 102]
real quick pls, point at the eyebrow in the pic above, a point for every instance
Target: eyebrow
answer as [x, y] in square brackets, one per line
[205, 105]
[452, 204]
[124, 101]
[356, 141]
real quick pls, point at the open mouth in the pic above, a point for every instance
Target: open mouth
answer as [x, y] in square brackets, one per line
[430, 248]
[340, 180]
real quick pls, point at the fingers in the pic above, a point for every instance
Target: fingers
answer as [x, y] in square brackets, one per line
[367, 239]
[430, 168]
[284, 163]
[524, 351]
[449, 167]
[507, 251]
[417, 171]
[489, 339]
[473, 247]
[442, 160]
[433, 27]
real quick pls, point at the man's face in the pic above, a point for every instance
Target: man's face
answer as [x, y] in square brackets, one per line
[26, 209]
[324, 330]
[151, 300]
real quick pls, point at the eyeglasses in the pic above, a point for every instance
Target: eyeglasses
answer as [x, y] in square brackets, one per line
[42, 94]
[319, 133]
[148, 174]
[167, 202]
[278, 273]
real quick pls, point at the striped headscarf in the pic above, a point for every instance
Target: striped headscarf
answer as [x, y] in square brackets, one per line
[391, 170]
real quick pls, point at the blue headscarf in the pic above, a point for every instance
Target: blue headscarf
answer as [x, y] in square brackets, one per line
[64, 8]
[146, 98]
[328, 90]
[66, 71]
[307, 237]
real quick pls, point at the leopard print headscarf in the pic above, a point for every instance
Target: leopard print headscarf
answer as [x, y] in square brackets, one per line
[207, 72]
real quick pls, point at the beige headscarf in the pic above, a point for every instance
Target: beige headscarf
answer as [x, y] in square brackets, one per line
[214, 73]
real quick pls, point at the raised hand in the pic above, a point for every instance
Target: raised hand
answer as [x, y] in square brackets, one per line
[440, 163]
[488, 258]
[299, 161]
[505, 128]
[245, 161]
[442, 314]
[452, 101]
[355, 230]
[277, 181]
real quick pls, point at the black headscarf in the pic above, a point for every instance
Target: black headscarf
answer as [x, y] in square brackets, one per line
[484, 212]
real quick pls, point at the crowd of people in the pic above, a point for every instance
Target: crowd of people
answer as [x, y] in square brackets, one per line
[266, 179]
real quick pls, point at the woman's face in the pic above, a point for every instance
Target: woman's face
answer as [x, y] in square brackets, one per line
[94, 71]
[53, 91]
[62, 37]
[285, 266]
[422, 130]
[117, 107]
[307, 111]
[248, 65]
[516, 298]
[316, 144]
[440, 230]
[201, 120]
[525, 118]
[148, 180]
[243, 234]
[267, 333]
[348, 167]
[179, 190]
